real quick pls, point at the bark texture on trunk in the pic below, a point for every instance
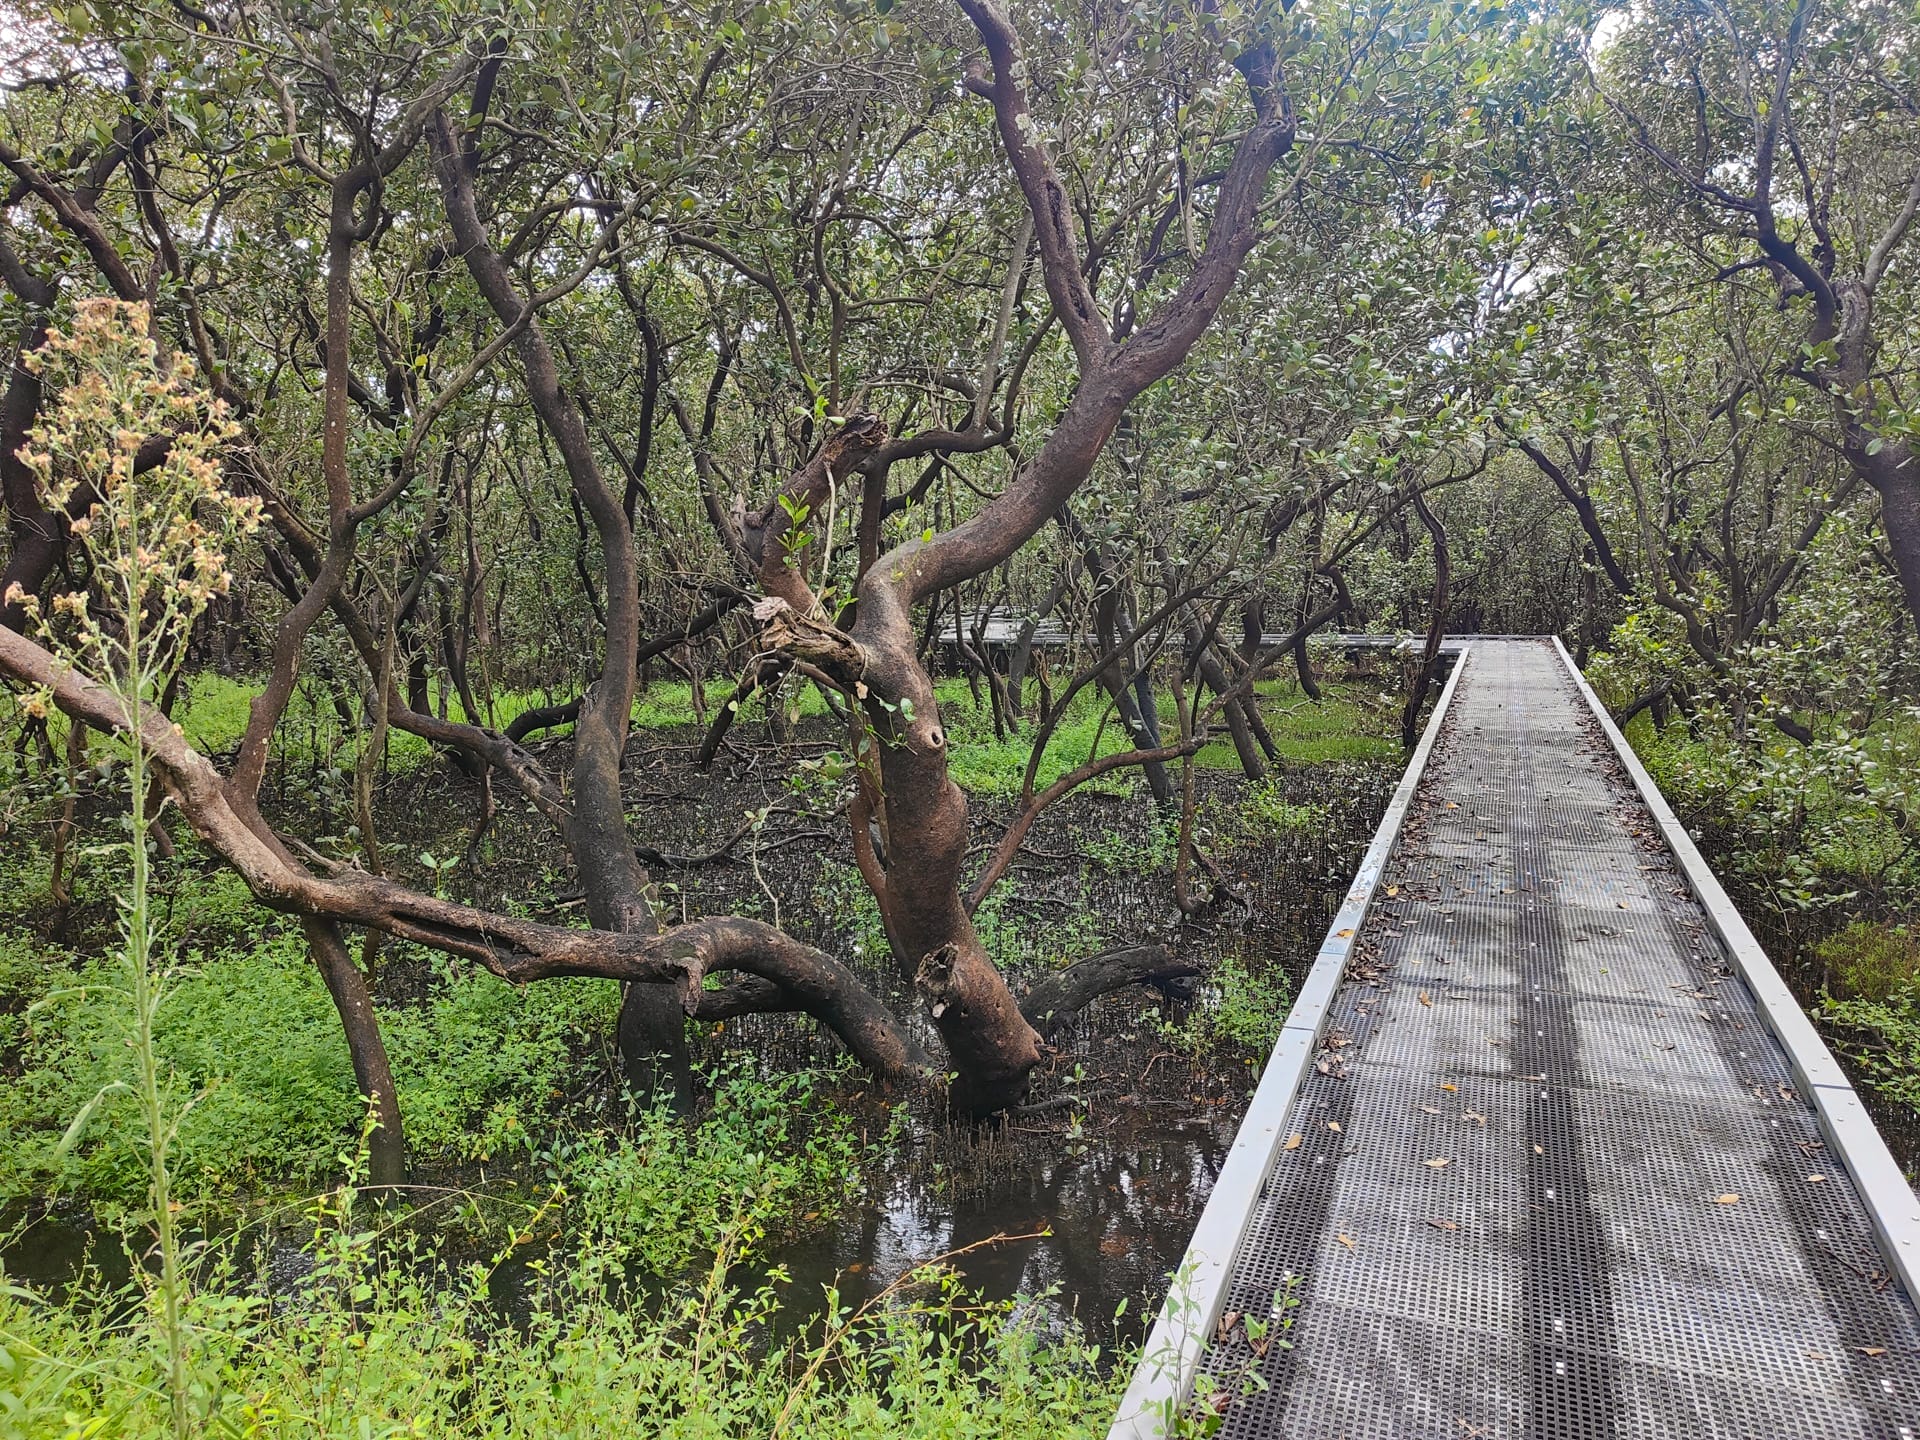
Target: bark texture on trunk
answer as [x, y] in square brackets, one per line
[387, 1144]
[1053, 1001]
[1436, 623]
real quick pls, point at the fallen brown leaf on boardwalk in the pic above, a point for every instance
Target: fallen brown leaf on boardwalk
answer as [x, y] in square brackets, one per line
[1438, 1163]
[1448, 1085]
[1443, 1224]
[1343, 934]
[1815, 1179]
[1293, 1141]
[1346, 1240]
[1727, 1199]
[1425, 998]
[1334, 1126]
[1431, 1109]
[1474, 1115]
[1392, 890]
[1872, 1352]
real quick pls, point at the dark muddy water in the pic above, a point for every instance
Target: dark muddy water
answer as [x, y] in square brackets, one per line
[51, 1252]
[1099, 1225]
[62, 1254]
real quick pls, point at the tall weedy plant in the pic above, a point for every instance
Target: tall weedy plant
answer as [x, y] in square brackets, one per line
[132, 442]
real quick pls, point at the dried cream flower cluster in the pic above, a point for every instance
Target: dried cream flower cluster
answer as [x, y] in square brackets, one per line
[138, 442]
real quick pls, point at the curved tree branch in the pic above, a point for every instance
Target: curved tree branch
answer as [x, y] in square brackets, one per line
[512, 948]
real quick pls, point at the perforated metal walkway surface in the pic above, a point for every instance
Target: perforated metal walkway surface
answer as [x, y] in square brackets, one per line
[1553, 1178]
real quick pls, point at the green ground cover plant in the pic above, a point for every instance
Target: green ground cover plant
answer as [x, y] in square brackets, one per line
[1349, 722]
[389, 1336]
[1239, 1011]
[1873, 1004]
[483, 1068]
[1352, 720]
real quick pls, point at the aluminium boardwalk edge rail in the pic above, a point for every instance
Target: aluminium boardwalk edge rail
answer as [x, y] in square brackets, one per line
[1180, 1335]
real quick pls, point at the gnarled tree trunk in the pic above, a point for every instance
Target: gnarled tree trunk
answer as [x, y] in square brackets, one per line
[992, 1046]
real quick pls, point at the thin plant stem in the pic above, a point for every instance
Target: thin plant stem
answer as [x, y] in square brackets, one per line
[148, 989]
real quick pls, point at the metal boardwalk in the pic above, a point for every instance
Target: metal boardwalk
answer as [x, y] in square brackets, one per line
[1547, 1170]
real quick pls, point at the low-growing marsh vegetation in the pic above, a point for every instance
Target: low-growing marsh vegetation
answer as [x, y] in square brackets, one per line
[647, 1314]
[642, 1307]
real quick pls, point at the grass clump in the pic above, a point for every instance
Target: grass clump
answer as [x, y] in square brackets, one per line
[1240, 1009]
[1147, 851]
[667, 1197]
[254, 1039]
[1350, 721]
[481, 1066]
[1875, 963]
[1874, 975]
[375, 1349]
[982, 763]
[1263, 815]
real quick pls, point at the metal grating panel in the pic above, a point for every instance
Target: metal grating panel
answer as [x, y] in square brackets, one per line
[1537, 1001]
[1176, 1346]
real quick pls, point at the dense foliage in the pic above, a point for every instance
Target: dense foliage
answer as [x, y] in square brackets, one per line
[888, 404]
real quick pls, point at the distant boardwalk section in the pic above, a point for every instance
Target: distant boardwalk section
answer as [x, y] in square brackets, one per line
[1546, 1151]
